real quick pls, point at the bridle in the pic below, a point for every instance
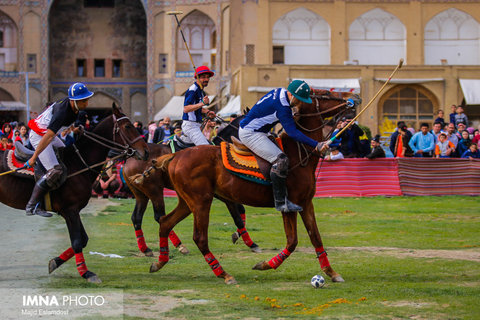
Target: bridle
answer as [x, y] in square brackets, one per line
[124, 148]
[302, 149]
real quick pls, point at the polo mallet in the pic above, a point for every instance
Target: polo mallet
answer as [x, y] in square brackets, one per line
[400, 63]
[175, 13]
[25, 166]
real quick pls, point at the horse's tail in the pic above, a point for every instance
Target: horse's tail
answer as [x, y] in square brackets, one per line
[161, 163]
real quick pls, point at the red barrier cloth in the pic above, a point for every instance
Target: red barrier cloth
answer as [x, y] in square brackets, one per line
[435, 177]
[357, 178]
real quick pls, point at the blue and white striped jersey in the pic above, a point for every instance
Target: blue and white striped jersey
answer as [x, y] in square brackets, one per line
[272, 108]
[193, 95]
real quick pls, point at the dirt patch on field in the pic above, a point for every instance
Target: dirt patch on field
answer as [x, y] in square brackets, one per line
[408, 304]
[467, 254]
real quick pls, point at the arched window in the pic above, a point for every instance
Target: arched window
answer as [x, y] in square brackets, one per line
[199, 30]
[301, 37]
[452, 37]
[377, 37]
[8, 45]
[410, 103]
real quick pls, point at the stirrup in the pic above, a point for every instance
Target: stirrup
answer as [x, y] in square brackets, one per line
[287, 206]
[37, 211]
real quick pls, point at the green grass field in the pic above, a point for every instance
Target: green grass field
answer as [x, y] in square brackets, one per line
[401, 258]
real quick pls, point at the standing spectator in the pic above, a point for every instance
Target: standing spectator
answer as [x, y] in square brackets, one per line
[210, 130]
[377, 150]
[440, 119]
[167, 129]
[139, 126]
[394, 139]
[464, 143]
[454, 112]
[423, 142]
[159, 133]
[152, 126]
[460, 116]
[350, 146]
[338, 140]
[444, 148]
[399, 141]
[451, 134]
[472, 152]
[436, 130]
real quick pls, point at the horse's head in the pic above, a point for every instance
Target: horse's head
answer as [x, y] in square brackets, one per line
[125, 133]
[326, 106]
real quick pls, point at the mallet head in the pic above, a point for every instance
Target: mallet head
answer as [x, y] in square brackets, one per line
[173, 13]
[400, 64]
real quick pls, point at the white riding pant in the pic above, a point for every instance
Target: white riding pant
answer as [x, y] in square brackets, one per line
[192, 131]
[47, 157]
[260, 144]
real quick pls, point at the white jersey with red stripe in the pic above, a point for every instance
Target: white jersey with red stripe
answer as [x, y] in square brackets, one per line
[57, 117]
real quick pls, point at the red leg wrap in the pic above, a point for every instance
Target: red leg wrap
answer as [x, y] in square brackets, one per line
[214, 264]
[163, 249]
[80, 261]
[245, 236]
[174, 238]
[276, 261]
[322, 257]
[65, 256]
[141, 240]
[244, 217]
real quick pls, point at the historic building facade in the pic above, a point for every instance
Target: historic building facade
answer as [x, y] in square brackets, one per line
[132, 53]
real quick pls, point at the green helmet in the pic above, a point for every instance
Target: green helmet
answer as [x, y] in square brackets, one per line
[300, 90]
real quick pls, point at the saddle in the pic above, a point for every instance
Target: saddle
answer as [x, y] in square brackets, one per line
[242, 162]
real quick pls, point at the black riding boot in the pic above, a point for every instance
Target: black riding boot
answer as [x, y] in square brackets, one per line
[34, 205]
[282, 204]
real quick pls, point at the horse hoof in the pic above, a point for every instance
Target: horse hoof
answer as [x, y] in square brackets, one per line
[338, 279]
[148, 252]
[235, 237]
[52, 265]
[256, 249]
[94, 279]
[183, 249]
[230, 280]
[157, 266]
[261, 266]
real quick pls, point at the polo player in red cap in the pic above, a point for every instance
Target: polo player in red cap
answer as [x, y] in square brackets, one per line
[193, 107]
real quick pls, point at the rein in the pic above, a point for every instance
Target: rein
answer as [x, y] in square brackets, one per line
[125, 150]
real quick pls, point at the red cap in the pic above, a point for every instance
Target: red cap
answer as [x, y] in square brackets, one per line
[203, 69]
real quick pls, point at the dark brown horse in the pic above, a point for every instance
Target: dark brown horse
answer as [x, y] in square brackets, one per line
[115, 131]
[198, 175]
[152, 185]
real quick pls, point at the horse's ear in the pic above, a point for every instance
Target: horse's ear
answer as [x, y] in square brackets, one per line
[246, 110]
[116, 110]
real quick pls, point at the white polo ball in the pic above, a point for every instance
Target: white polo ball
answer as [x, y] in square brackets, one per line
[317, 281]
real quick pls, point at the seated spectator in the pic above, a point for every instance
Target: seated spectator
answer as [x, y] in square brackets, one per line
[23, 137]
[67, 136]
[107, 181]
[399, 141]
[472, 152]
[440, 118]
[377, 150]
[338, 140]
[444, 148]
[463, 144]
[460, 128]
[423, 142]
[335, 154]
[451, 134]
[7, 130]
[350, 146]
[476, 137]
[3, 142]
[460, 116]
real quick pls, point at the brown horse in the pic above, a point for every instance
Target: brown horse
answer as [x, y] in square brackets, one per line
[115, 131]
[152, 185]
[198, 174]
